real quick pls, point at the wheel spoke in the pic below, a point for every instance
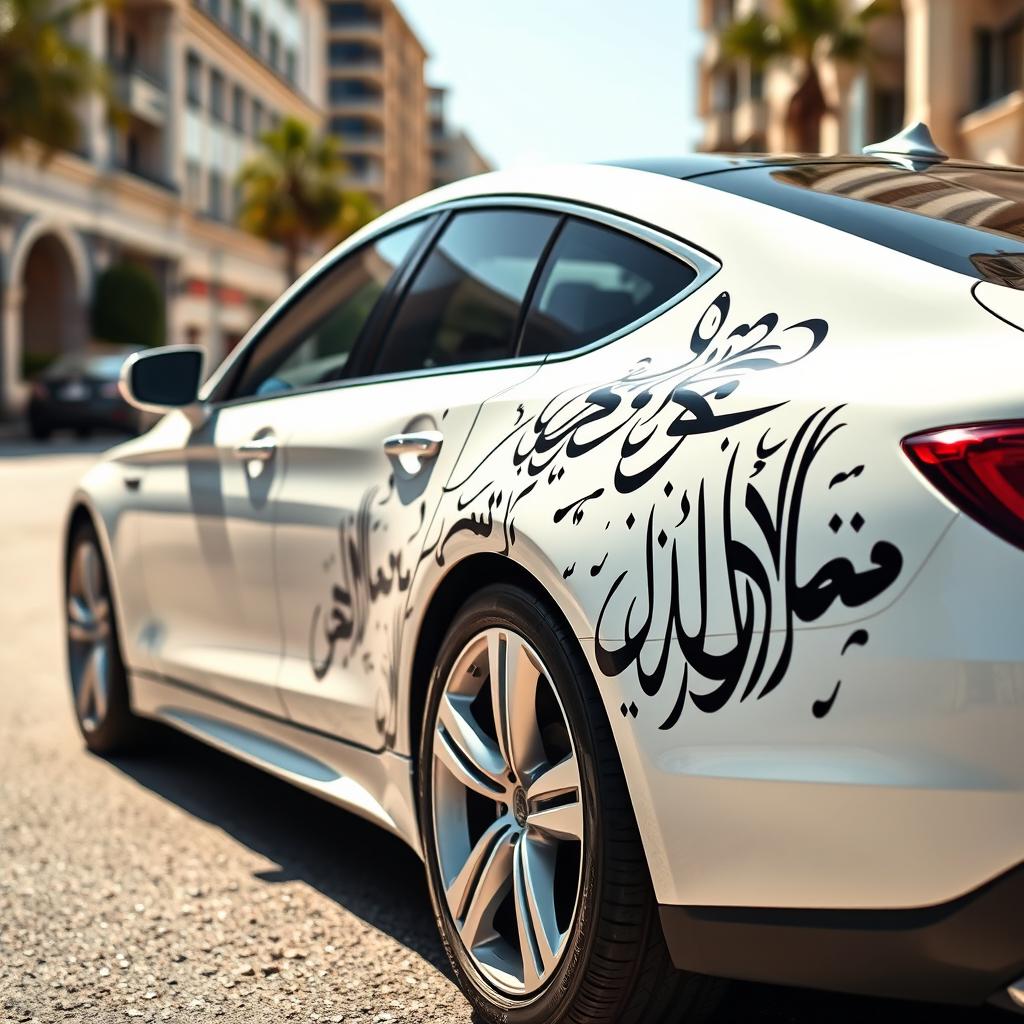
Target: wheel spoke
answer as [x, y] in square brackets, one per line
[81, 625]
[492, 885]
[470, 755]
[534, 886]
[462, 886]
[558, 780]
[514, 678]
[563, 820]
[90, 576]
[85, 698]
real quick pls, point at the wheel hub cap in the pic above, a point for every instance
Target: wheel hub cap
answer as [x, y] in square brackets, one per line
[519, 807]
[507, 812]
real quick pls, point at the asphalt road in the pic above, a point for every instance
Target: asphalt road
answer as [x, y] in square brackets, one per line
[179, 885]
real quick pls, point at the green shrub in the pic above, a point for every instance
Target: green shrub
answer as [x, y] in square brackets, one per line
[128, 307]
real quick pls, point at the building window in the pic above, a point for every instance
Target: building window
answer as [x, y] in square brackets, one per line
[257, 119]
[341, 53]
[238, 109]
[194, 79]
[999, 54]
[193, 185]
[352, 127]
[350, 14]
[256, 34]
[216, 95]
[214, 7]
[215, 200]
[756, 83]
[886, 112]
[237, 18]
[273, 49]
[289, 65]
[351, 88]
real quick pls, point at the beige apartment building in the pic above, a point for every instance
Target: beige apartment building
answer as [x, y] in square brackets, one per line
[957, 65]
[453, 155]
[377, 98]
[198, 83]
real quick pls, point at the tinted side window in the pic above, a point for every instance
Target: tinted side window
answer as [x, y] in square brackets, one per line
[595, 282]
[312, 343]
[463, 306]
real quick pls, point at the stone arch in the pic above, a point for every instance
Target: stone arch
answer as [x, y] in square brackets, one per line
[47, 288]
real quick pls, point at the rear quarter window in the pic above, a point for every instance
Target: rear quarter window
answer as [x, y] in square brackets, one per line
[595, 282]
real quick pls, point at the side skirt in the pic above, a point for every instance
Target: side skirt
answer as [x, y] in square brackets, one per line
[964, 951]
[377, 785]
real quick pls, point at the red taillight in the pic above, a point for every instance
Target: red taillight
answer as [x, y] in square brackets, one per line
[980, 469]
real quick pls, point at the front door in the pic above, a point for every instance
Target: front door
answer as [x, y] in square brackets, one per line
[367, 464]
[206, 501]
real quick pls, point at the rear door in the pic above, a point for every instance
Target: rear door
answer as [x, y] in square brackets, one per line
[368, 461]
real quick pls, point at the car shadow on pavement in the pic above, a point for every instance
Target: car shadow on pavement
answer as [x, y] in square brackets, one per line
[376, 877]
[359, 866]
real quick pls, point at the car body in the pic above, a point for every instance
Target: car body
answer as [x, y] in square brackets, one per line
[79, 392]
[807, 651]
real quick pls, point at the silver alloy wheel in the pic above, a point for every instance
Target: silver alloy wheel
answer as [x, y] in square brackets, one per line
[89, 635]
[507, 811]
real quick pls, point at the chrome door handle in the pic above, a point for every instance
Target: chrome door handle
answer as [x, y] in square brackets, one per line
[260, 448]
[426, 445]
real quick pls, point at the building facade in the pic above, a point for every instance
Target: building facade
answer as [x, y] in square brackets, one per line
[956, 65]
[377, 99]
[453, 156]
[197, 84]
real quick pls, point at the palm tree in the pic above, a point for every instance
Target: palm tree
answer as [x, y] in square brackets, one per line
[292, 193]
[803, 32]
[44, 75]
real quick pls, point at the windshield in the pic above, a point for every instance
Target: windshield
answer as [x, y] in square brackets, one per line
[967, 219]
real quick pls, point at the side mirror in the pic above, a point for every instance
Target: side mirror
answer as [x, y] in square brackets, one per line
[163, 379]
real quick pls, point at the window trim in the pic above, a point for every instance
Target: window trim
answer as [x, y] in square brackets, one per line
[705, 265]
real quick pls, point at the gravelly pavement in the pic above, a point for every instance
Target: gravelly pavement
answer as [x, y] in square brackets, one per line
[182, 886]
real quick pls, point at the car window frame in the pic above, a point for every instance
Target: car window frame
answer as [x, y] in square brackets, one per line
[450, 212]
[437, 217]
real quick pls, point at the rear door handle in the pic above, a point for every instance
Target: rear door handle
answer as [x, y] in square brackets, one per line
[261, 449]
[426, 444]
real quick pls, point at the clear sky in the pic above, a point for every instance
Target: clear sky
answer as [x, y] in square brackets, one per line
[553, 80]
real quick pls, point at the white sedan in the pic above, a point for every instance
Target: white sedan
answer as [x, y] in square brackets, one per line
[641, 544]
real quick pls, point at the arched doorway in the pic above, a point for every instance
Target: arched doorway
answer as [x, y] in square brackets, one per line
[52, 311]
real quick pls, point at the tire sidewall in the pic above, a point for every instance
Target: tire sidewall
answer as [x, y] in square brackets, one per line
[507, 607]
[117, 728]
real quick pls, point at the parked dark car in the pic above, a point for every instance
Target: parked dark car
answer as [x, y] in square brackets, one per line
[79, 392]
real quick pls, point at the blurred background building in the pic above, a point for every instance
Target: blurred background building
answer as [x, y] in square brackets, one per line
[198, 83]
[452, 153]
[955, 64]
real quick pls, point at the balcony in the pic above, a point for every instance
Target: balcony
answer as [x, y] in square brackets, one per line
[142, 95]
[355, 104]
[357, 28]
[994, 134]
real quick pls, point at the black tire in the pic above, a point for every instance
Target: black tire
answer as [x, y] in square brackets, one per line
[616, 967]
[39, 431]
[119, 729]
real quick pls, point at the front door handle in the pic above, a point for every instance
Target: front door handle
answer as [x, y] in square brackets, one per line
[260, 449]
[426, 444]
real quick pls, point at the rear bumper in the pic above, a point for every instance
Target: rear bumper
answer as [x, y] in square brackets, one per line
[98, 413]
[965, 951]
